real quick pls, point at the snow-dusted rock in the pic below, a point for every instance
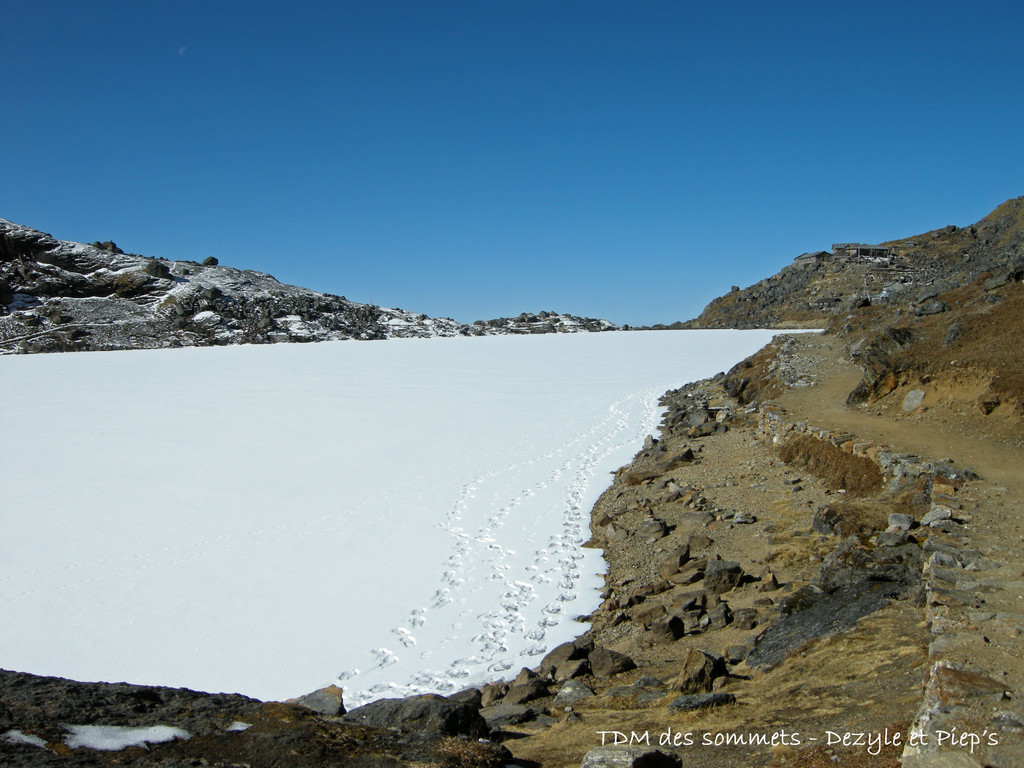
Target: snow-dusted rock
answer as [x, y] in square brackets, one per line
[62, 296]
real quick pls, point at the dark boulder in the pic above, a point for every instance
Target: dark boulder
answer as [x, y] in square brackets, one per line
[156, 268]
[427, 712]
[606, 663]
[666, 630]
[526, 691]
[570, 651]
[697, 672]
[503, 715]
[471, 696]
[720, 576]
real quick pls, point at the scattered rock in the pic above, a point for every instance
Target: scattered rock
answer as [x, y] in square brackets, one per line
[666, 630]
[624, 756]
[156, 268]
[700, 701]
[491, 693]
[652, 527]
[698, 541]
[827, 521]
[503, 715]
[900, 521]
[721, 576]
[745, 618]
[606, 663]
[471, 696]
[912, 400]
[646, 614]
[697, 672]
[525, 675]
[690, 573]
[524, 692]
[674, 562]
[932, 307]
[735, 654]
[936, 514]
[613, 532]
[571, 692]
[719, 617]
[940, 760]
[684, 457]
[571, 669]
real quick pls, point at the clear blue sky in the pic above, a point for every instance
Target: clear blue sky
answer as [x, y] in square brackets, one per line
[627, 160]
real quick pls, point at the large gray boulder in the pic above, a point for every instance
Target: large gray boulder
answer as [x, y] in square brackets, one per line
[571, 692]
[427, 712]
[326, 701]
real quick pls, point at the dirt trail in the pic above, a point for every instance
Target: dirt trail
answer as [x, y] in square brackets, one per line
[947, 426]
[975, 616]
[872, 678]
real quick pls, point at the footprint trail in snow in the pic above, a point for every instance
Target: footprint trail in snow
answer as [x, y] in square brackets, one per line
[514, 545]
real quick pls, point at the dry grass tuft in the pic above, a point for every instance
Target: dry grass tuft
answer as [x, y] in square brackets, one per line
[459, 753]
[838, 470]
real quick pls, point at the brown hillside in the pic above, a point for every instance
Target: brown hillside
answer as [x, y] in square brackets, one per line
[913, 272]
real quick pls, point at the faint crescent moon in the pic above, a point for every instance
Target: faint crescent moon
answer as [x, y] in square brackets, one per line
[181, 51]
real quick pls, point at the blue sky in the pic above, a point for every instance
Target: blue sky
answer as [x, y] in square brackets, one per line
[626, 160]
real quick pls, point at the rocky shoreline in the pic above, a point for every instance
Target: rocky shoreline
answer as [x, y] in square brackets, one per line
[745, 539]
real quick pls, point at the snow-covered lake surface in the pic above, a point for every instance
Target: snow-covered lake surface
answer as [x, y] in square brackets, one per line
[401, 516]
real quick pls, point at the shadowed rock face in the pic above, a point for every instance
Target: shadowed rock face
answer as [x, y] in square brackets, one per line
[855, 581]
[224, 730]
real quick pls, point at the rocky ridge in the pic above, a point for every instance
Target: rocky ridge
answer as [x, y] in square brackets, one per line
[906, 275]
[63, 296]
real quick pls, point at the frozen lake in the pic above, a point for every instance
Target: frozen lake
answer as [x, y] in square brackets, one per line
[398, 516]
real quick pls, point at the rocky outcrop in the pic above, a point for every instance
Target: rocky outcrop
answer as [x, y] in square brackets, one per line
[915, 273]
[63, 296]
[49, 721]
[427, 713]
[542, 322]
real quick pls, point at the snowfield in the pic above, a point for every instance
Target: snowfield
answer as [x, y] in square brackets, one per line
[399, 516]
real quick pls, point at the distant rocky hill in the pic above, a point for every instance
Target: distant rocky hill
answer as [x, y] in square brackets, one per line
[909, 273]
[64, 296]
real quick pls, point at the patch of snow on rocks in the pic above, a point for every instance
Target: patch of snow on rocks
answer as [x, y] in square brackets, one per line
[111, 738]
